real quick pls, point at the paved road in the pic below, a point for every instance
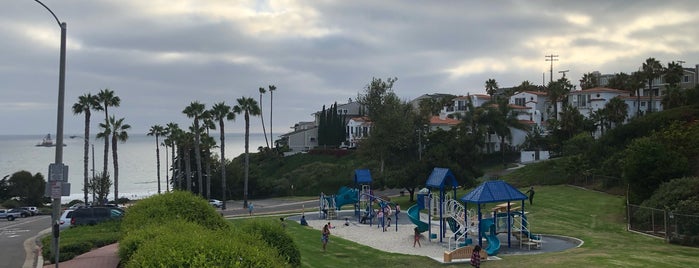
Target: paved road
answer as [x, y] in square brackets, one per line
[13, 235]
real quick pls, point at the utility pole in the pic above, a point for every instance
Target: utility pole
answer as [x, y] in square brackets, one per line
[564, 73]
[551, 58]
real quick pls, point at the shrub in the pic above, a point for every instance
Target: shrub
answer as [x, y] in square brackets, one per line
[272, 233]
[172, 206]
[186, 244]
[81, 239]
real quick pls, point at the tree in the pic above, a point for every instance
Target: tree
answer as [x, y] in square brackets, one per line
[29, 188]
[674, 97]
[195, 110]
[248, 107]
[556, 91]
[501, 118]
[86, 103]
[379, 99]
[673, 74]
[491, 87]
[647, 164]
[651, 69]
[107, 99]
[119, 134]
[222, 112]
[157, 131]
[99, 185]
[262, 117]
[589, 80]
[272, 88]
[616, 110]
[207, 143]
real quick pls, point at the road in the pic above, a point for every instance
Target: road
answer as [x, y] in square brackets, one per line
[13, 235]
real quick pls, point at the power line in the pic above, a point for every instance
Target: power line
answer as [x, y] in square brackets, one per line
[551, 58]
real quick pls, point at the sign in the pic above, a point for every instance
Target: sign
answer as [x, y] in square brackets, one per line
[56, 189]
[58, 172]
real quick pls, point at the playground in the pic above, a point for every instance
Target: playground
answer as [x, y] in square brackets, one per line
[496, 230]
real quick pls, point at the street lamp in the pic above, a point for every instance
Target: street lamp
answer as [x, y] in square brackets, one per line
[56, 195]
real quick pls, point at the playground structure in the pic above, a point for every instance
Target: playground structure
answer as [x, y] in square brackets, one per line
[440, 178]
[361, 197]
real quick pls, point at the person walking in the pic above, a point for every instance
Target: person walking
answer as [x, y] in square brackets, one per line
[531, 195]
[325, 236]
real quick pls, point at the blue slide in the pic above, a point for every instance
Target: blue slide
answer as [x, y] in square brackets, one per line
[414, 215]
[346, 196]
[488, 231]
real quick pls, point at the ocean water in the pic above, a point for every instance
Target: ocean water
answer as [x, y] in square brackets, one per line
[137, 160]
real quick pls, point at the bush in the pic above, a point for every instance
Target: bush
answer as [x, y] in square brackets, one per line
[272, 233]
[172, 206]
[186, 244]
[81, 239]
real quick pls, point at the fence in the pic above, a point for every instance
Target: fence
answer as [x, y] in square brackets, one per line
[676, 228]
[599, 182]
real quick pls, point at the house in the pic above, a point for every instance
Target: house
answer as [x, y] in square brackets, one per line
[591, 100]
[443, 123]
[460, 105]
[358, 128]
[303, 138]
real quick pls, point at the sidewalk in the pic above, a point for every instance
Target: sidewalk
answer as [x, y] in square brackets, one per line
[104, 257]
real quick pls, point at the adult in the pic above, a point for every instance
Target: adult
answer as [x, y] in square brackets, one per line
[531, 195]
[325, 236]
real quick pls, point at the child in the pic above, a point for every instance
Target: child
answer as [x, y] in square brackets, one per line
[250, 208]
[416, 238]
[476, 257]
[325, 236]
[303, 221]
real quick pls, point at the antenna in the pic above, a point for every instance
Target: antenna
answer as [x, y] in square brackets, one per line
[551, 58]
[563, 72]
[680, 62]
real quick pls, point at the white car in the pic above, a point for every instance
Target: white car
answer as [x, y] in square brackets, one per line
[216, 203]
[64, 222]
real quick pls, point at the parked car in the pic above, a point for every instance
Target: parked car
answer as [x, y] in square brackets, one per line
[216, 203]
[33, 210]
[22, 212]
[10, 216]
[65, 220]
[95, 215]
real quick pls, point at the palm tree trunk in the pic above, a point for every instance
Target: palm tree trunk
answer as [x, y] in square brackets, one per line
[650, 90]
[188, 169]
[271, 106]
[208, 174]
[106, 143]
[247, 158]
[197, 155]
[157, 159]
[223, 166]
[116, 168]
[86, 151]
[167, 166]
[264, 132]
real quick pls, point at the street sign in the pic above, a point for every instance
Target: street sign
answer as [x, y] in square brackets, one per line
[56, 189]
[58, 172]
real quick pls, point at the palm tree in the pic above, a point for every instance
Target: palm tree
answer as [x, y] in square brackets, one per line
[556, 91]
[157, 131]
[184, 144]
[272, 88]
[172, 130]
[247, 106]
[264, 132]
[651, 69]
[107, 99]
[491, 87]
[501, 118]
[86, 103]
[222, 112]
[208, 142]
[119, 133]
[104, 134]
[195, 110]
[616, 110]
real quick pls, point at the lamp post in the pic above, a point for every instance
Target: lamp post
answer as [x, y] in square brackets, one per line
[56, 203]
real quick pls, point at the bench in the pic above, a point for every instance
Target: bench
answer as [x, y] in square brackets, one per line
[462, 253]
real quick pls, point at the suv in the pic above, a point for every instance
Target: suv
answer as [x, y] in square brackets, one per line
[10, 216]
[22, 212]
[33, 210]
[65, 220]
[95, 215]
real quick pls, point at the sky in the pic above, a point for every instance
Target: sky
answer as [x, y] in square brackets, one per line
[158, 56]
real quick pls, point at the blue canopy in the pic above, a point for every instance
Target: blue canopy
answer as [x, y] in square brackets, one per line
[493, 191]
[362, 176]
[438, 178]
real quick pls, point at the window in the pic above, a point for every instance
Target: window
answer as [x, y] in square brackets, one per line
[686, 78]
[582, 100]
[520, 101]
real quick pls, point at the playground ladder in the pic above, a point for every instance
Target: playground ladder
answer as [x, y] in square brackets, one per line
[456, 211]
[520, 229]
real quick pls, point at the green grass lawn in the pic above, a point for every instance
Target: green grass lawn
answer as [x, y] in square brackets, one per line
[597, 218]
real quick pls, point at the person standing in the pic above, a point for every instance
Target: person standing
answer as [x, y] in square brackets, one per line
[416, 237]
[325, 236]
[531, 195]
[476, 257]
[250, 208]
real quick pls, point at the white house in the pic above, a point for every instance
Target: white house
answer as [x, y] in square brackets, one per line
[303, 138]
[460, 104]
[358, 128]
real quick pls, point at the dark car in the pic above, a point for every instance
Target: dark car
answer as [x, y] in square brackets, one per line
[22, 212]
[95, 215]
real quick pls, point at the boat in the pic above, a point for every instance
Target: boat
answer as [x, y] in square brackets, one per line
[47, 142]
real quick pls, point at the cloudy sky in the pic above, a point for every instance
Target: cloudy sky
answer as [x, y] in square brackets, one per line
[160, 55]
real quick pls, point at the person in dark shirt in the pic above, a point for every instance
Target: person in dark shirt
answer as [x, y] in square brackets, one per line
[531, 195]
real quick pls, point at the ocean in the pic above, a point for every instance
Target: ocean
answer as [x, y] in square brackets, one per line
[137, 160]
